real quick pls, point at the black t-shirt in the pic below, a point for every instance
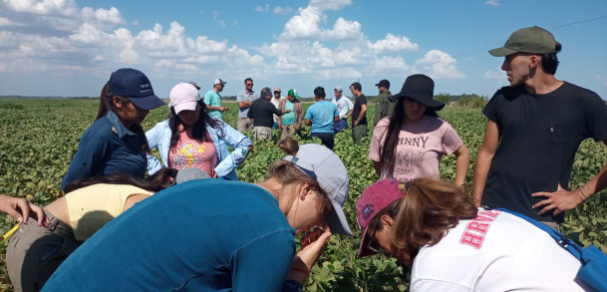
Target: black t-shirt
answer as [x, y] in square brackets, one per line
[360, 100]
[262, 112]
[539, 136]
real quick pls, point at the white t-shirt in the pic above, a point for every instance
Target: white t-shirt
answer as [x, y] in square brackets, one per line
[344, 105]
[275, 103]
[496, 251]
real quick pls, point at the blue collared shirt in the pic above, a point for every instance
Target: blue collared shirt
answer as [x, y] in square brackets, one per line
[107, 147]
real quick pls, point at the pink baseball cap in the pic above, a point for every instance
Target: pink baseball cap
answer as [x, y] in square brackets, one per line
[374, 199]
[184, 97]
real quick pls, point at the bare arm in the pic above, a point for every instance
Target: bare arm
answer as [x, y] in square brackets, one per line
[462, 163]
[336, 119]
[307, 122]
[348, 115]
[563, 200]
[377, 166]
[216, 108]
[363, 112]
[483, 161]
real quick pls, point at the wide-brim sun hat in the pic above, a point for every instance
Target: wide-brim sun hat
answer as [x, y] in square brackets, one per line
[419, 87]
[321, 164]
[135, 86]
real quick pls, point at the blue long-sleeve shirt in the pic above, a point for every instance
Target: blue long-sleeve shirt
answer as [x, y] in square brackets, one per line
[200, 236]
[107, 147]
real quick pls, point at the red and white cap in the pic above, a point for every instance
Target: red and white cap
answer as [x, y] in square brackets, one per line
[374, 199]
[184, 97]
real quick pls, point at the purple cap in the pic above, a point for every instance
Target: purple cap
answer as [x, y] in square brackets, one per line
[135, 86]
[374, 199]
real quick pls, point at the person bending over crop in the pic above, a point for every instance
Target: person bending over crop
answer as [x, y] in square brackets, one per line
[410, 143]
[219, 235]
[190, 138]
[115, 142]
[35, 252]
[434, 228]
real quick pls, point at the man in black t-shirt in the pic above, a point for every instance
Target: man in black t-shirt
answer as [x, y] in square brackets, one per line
[262, 113]
[359, 113]
[534, 129]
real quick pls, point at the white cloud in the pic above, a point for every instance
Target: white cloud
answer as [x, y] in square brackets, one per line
[602, 78]
[493, 2]
[96, 41]
[439, 64]
[330, 4]
[111, 16]
[393, 44]
[262, 8]
[495, 74]
[305, 26]
[282, 10]
[45, 7]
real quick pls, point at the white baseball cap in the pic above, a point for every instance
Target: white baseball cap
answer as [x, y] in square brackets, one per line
[184, 97]
[218, 81]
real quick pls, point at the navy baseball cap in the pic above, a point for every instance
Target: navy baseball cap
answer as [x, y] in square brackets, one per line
[135, 86]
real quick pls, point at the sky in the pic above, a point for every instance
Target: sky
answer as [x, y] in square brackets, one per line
[71, 47]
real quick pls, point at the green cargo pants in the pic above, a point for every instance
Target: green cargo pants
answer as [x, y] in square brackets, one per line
[358, 132]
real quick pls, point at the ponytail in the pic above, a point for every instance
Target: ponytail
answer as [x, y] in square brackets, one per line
[423, 217]
[155, 183]
[106, 103]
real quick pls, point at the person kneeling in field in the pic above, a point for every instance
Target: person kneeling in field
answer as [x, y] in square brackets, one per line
[35, 252]
[451, 245]
[219, 235]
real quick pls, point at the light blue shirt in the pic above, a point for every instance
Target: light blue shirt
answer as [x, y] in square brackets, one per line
[244, 96]
[322, 115]
[160, 137]
[213, 98]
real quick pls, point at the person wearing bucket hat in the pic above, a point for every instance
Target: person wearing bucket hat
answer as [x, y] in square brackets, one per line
[434, 228]
[558, 116]
[115, 142]
[411, 142]
[88, 205]
[190, 138]
[231, 235]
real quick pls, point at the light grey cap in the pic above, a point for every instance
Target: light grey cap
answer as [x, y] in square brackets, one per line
[324, 166]
[338, 88]
[189, 174]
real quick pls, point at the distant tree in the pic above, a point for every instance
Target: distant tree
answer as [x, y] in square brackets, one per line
[443, 97]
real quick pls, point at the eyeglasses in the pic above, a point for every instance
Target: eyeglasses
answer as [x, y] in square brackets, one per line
[276, 91]
[249, 84]
[374, 246]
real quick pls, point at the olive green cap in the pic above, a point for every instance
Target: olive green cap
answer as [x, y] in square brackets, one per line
[535, 40]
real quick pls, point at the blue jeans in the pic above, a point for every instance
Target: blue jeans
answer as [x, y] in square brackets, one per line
[341, 125]
[275, 126]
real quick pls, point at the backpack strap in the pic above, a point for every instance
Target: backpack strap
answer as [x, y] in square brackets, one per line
[560, 239]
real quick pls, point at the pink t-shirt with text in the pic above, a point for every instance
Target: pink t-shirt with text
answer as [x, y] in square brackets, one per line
[189, 153]
[420, 148]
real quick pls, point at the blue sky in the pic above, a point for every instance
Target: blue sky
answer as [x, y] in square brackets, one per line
[70, 47]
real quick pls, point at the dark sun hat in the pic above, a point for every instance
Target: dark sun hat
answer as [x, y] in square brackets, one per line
[419, 87]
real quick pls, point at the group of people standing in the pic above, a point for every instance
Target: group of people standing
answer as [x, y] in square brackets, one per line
[192, 226]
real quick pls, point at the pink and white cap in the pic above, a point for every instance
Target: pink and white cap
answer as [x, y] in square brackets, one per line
[184, 97]
[374, 199]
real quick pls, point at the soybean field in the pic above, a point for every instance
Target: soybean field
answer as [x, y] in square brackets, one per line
[38, 139]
